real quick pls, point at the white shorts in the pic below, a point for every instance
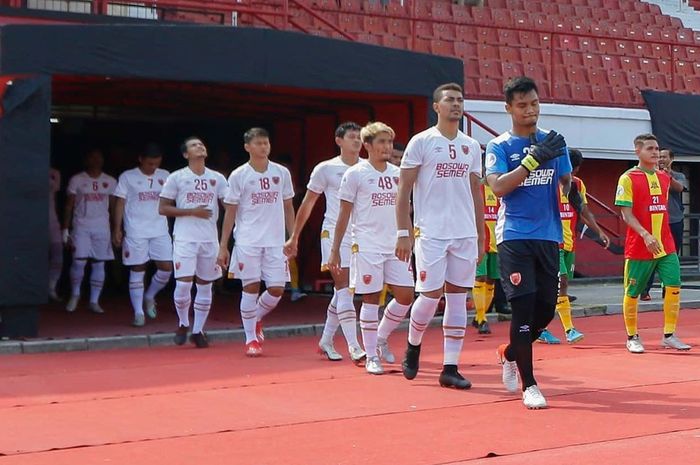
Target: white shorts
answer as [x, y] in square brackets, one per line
[140, 250]
[196, 259]
[256, 264]
[327, 244]
[370, 271]
[445, 260]
[92, 244]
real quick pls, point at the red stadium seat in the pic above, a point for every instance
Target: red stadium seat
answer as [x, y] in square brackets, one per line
[397, 9]
[577, 75]
[351, 5]
[444, 31]
[375, 25]
[637, 79]
[648, 66]
[509, 70]
[441, 11]
[466, 34]
[395, 41]
[598, 77]
[536, 72]
[606, 46]
[622, 95]
[487, 52]
[581, 92]
[399, 27]
[665, 66]
[471, 85]
[507, 37]
[533, 7]
[490, 87]
[572, 59]
[482, 16]
[610, 62]
[516, 4]
[497, 4]
[351, 23]
[684, 68]
[486, 35]
[465, 49]
[617, 78]
[602, 94]
[659, 81]
[491, 69]
[442, 47]
[530, 55]
[502, 17]
[462, 14]
[567, 42]
[472, 66]
[561, 91]
[369, 39]
[522, 19]
[660, 51]
[630, 63]
[592, 61]
[625, 47]
[421, 45]
[509, 54]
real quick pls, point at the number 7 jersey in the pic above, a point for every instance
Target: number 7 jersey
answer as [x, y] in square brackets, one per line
[260, 198]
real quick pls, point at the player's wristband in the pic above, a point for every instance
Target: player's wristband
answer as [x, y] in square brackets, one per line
[402, 233]
[530, 163]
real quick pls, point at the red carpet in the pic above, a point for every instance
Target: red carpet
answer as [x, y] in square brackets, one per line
[183, 405]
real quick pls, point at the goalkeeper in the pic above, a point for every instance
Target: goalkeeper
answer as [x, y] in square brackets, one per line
[524, 167]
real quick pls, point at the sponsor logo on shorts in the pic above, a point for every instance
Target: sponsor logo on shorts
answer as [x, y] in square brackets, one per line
[276, 179]
[632, 282]
[465, 149]
[515, 279]
[367, 278]
[396, 180]
[422, 276]
[126, 254]
[177, 265]
[240, 266]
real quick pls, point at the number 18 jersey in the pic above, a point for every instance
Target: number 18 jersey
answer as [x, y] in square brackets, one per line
[260, 198]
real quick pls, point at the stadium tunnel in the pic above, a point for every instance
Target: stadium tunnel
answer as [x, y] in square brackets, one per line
[118, 87]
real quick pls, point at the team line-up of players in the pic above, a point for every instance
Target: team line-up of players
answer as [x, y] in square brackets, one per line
[370, 237]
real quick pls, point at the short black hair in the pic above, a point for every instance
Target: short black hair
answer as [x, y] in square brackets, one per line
[576, 158]
[152, 150]
[252, 133]
[183, 146]
[671, 155]
[437, 93]
[399, 146]
[640, 139]
[343, 128]
[518, 85]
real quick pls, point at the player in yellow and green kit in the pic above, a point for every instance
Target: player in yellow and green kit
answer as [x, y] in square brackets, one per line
[570, 213]
[487, 271]
[642, 194]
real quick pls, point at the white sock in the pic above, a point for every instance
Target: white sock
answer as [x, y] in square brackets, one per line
[266, 303]
[332, 321]
[454, 324]
[394, 314]
[347, 317]
[422, 312]
[136, 291]
[248, 315]
[55, 264]
[97, 281]
[183, 297]
[202, 304]
[369, 319]
[77, 271]
[158, 282]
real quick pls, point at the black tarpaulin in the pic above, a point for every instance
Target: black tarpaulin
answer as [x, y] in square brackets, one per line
[675, 120]
[24, 164]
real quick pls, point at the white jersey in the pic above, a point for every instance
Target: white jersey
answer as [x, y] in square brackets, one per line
[54, 186]
[442, 198]
[190, 190]
[325, 179]
[260, 198]
[91, 210]
[142, 195]
[373, 195]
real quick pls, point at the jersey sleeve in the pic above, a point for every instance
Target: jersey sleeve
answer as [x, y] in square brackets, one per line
[222, 187]
[121, 189]
[496, 161]
[348, 186]
[680, 177]
[564, 163]
[582, 191]
[288, 187]
[476, 167]
[623, 194]
[72, 188]
[233, 193]
[413, 155]
[317, 181]
[169, 190]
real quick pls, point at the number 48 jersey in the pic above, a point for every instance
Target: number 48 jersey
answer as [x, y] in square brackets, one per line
[260, 198]
[373, 195]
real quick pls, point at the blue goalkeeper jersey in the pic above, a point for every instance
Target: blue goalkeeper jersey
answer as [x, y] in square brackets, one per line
[531, 211]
